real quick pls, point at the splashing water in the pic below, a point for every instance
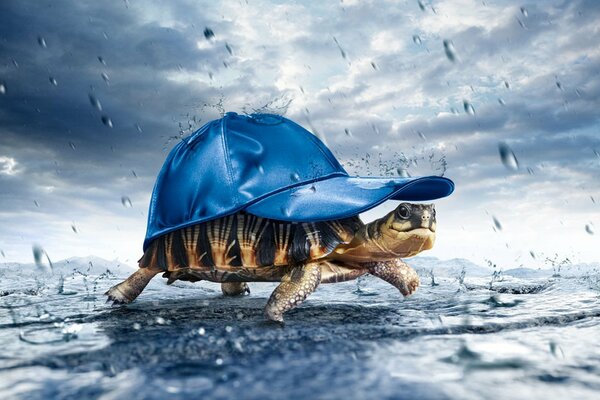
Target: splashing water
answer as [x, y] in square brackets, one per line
[508, 158]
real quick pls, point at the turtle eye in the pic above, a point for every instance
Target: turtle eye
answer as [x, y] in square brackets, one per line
[403, 212]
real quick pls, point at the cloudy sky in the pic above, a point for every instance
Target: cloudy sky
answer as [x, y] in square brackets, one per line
[93, 95]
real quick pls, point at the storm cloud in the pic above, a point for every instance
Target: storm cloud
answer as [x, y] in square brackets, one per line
[95, 94]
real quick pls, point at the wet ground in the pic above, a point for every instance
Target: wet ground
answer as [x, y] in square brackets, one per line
[535, 336]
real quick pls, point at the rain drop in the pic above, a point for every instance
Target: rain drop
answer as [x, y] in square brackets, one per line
[38, 255]
[201, 331]
[126, 201]
[53, 81]
[347, 132]
[74, 228]
[417, 40]
[530, 171]
[137, 326]
[139, 128]
[506, 84]
[524, 12]
[105, 77]
[596, 153]
[501, 101]
[134, 174]
[2, 252]
[2, 88]
[421, 5]
[508, 157]
[312, 188]
[421, 135]
[559, 85]
[261, 169]
[42, 42]
[229, 49]
[295, 177]
[497, 223]
[72, 145]
[468, 107]
[95, 102]
[101, 59]
[588, 229]
[532, 254]
[208, 33]
[403, 173]
[35, 202]
[107, 121]
[449, 50]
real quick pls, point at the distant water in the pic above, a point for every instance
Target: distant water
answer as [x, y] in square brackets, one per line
[531, 336]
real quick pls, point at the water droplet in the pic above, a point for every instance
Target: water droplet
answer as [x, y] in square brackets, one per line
[421, 135]
[559, 85]
[137, 326]
[312, 188]
[261, 170]
[374, 65]
[229, 49]
[497, 223]
[72, 145]
[421, 5]
[105, 77]
[524, 12]
[417, 40]
[2, 253]
[74, 228]
[107, 121]
[506, 84]
[139, 128]
[160, 320]
[35, 202]
[597, 153]
[95, 102]
[508, 157]
[468, 107]
[208, 33]
[402, 172]
[501, 101]
[449, 50]
[201, 331]
[295, 177]
[15, 63]
[219, 361]
[588, 229]
[126, 201]
[101, 59]
[347, 131]
[228, 329]
[42, 42]
[2, 88]
[53, 81]
[530, 171]
[134, 174]
[532, 254]
[38, 257]
[342, 52]
[284, 210]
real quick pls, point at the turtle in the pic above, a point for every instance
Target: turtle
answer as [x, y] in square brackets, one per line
[240, 248]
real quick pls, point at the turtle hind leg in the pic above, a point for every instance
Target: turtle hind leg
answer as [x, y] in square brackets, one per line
[235, 288]
[397, 273]
[126, 291]
[294, 288]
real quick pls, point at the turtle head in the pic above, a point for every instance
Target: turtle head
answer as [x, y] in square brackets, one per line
[407, 230]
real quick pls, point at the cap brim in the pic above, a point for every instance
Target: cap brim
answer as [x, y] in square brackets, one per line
[344, 196]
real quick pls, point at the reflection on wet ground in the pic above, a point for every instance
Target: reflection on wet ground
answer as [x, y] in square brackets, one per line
[526, 337]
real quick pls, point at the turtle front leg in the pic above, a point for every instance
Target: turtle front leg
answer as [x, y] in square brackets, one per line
[126, 291]
[397, 273]
[235, 288]
[294, 288]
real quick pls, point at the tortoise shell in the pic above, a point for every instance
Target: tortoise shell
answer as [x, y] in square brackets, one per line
[245, 246]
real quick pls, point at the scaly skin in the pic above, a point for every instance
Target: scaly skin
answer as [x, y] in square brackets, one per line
[397, 273]
[293, 290]
[126, 291]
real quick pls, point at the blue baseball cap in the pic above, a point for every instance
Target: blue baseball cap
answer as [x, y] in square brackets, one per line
[269, 166]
